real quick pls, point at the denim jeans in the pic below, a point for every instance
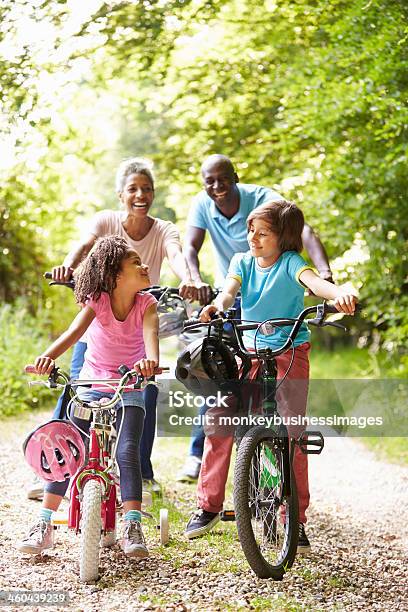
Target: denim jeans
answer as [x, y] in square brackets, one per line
[76, 364]
[150, 401]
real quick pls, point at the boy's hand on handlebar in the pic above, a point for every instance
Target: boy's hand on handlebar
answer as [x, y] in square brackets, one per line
[62, 274]
[207, 313]
[346, 303]
[44, 365]
[145, 367]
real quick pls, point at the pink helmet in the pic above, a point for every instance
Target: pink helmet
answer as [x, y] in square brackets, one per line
[55, 450]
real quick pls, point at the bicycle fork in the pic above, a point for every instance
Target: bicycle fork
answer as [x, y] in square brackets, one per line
[95, 469]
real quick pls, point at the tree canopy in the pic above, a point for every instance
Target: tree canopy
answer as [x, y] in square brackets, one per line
[305, 96]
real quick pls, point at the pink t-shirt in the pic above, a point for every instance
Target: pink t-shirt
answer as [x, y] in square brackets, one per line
[152, 248]
[112, 343]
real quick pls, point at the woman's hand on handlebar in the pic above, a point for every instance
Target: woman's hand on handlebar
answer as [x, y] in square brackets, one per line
[43, 365]
[62, 274]
[346, 303]
[145, 367]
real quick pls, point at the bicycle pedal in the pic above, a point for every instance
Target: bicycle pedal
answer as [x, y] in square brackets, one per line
[59, 519]
[311, 442]
[227, 515]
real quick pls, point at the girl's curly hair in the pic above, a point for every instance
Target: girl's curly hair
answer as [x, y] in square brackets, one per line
[99, 271]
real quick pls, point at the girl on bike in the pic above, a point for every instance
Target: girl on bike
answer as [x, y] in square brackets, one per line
[154, 239]
[272, 277]
[122, 328]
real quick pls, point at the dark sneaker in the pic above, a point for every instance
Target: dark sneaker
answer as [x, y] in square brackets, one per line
[200, 523]
[150, 484]
[133, 543]
[303, 543]
[39, 538]
[190, 470]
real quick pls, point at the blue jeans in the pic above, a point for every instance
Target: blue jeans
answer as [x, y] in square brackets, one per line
[76, 365]
[150, 401]
[128, 450]
[197, 434]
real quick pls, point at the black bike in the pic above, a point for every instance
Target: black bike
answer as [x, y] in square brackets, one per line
[265, 497]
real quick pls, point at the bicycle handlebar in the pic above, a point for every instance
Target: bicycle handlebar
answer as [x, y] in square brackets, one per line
[321, 311]
[156, 290]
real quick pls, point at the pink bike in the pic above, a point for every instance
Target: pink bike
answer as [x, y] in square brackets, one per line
[57, 448]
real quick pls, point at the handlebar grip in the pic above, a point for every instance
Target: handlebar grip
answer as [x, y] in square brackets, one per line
[192, 321]
[30, 369]
[48, 275]
[330, 309]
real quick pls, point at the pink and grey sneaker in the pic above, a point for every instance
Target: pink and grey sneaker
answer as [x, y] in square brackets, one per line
[39, 538]
[133, 542]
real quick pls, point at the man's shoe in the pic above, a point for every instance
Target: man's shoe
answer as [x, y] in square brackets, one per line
[150, 484]
[200, 523]
[39, 538]
[303, 543]
[36, 490]
[134, 544]
[190, 470]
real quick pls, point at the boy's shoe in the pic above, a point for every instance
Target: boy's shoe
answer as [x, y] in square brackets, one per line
[303, 543]
[200, 523]
[36, 490]
[150, 484]
[39, 538]
[190, 470]
[133, 543]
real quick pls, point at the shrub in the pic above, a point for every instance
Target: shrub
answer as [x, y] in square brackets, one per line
[22, 337]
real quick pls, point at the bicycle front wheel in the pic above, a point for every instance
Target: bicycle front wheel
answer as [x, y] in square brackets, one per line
[267, 520]
[91, 525]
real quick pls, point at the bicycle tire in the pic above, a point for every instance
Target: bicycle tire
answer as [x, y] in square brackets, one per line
[268, 541]
[91, 525]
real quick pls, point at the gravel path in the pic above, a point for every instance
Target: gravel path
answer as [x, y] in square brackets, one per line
[358, 526]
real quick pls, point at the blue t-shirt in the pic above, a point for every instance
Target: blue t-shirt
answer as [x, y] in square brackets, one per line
[229, 236]
[268, 293]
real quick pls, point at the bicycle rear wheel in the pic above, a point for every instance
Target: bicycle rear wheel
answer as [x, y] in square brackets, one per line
[267, 521]
[91, 525]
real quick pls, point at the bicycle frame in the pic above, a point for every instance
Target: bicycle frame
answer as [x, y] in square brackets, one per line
[96, 469]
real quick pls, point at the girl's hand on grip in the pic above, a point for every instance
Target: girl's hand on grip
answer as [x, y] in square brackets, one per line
[145, 367]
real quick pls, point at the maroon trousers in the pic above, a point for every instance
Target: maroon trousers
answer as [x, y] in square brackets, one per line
[292, 399]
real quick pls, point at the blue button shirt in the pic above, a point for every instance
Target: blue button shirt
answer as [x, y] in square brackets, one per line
[229, 236]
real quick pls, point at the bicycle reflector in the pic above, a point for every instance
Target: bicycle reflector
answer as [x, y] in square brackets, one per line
[55, 451]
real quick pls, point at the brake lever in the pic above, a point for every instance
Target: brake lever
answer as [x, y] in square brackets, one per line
[333, 324]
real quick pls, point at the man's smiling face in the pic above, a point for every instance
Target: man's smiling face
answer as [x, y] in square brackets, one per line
[219, 180]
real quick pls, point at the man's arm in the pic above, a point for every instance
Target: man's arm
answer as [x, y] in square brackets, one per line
[192, 244]
[178, 264]
[317, 253]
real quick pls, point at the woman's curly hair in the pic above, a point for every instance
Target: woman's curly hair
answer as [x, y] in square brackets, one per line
[99, 271]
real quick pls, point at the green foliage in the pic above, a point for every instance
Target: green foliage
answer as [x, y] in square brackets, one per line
[307, 97]
[22, 338]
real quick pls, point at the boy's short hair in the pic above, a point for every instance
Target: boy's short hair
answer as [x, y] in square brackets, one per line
[285, 219]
